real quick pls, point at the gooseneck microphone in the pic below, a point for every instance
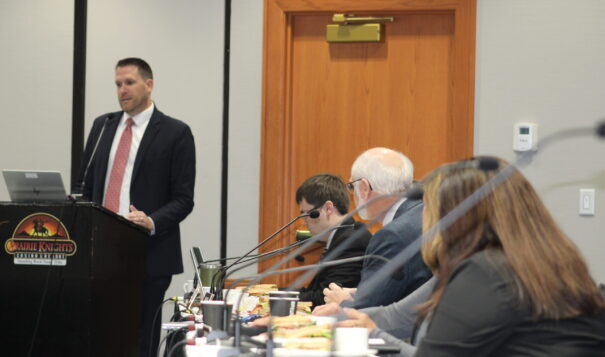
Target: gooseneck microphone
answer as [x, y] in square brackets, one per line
[256, 256]
[82, 183]
[252, 259]
[311, 266]
[223, 274]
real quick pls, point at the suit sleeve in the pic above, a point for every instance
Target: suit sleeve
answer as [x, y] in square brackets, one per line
[399, 318]
[182, 183]
[347, 275]
[388, 247]
[473, 317]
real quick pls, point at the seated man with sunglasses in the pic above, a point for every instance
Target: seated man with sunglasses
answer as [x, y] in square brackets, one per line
[377, 172]
[328, 195]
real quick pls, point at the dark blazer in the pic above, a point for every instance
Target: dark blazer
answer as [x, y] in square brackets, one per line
[347, 275]
[389, 241]
[163, 179]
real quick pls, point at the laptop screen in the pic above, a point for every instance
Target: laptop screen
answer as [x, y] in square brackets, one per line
[29, 186]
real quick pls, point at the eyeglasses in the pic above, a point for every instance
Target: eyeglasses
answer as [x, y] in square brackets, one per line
[351, 187]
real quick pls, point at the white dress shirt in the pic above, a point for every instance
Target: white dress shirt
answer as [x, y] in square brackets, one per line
[141, 121]
[388, 217]
[330, 237]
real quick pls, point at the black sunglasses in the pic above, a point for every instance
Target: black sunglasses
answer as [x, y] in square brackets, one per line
[316, 208]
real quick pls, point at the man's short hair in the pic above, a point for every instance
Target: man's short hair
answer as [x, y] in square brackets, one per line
[144, 68]
[385, 178]
[320, 188]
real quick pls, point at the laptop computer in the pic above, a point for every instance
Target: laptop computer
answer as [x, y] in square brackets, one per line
[27, 186]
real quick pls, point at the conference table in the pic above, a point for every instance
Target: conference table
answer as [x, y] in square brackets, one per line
[190, 337]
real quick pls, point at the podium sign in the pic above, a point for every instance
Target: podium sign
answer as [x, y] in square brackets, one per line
[71, 275]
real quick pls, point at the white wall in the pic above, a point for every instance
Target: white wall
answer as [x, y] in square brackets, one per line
[544, 61]
[36, 63]
[245, 127]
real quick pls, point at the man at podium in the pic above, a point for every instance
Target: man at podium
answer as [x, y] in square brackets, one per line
[140, 163]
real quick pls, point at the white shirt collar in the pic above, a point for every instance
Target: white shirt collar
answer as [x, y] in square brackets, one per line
[330, 237]
[388, 217]
[141, 118]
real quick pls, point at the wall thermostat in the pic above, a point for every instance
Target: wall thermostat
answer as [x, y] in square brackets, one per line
[525, 137]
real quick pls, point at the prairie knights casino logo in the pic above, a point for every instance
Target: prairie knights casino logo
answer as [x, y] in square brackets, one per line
[40, 239]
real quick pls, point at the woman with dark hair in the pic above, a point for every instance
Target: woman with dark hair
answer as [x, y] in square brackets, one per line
[510, 283]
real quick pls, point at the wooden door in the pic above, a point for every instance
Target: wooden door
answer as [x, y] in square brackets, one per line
[325, 103]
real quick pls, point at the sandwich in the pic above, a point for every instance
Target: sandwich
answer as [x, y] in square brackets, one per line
[290, 322]
[310, 331]
[304, 307]
[261, 289]
[309, 344]
[262, 307]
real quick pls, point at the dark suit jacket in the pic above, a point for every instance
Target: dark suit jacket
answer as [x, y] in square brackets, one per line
[389, 241]
[347, 275]
[163, 179]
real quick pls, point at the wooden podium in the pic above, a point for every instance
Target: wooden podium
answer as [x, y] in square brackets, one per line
[71, 275]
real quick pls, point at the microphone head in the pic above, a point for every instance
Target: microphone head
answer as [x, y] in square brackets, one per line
[314, 214]
[488, 164]
[601, 129]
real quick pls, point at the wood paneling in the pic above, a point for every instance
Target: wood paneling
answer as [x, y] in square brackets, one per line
[323, 104]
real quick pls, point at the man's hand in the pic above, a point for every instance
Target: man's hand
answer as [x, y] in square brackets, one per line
[357, 319]
[327, 309]
[336, 294]
[139, 217]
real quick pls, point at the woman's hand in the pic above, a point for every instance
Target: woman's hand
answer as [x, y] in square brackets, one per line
[357, 319]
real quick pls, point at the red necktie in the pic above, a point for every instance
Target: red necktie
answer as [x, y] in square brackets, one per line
[112, 196]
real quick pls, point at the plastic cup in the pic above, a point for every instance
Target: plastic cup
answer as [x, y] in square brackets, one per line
[282, 306]
[213, 314]
[207, 272]
[288, 294]
[350, 340]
